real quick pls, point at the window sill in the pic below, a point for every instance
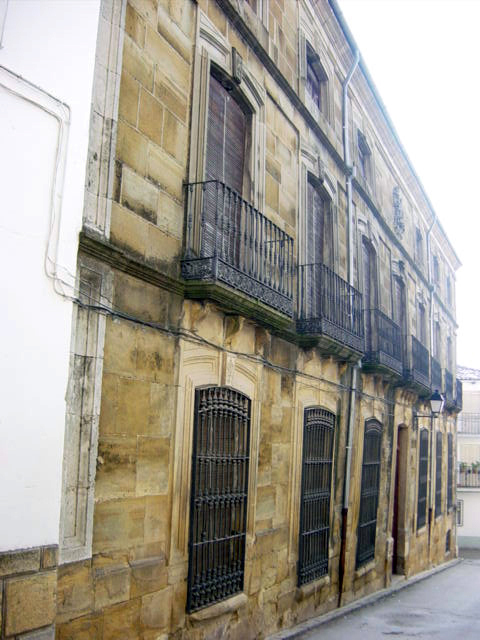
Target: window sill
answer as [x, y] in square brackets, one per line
[306, 590]
[422, 530]
[366, 568]
[220, 608]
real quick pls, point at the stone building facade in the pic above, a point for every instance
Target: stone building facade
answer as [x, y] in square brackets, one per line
[265, 304]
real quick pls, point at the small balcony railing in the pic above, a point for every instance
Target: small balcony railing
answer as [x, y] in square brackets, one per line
[229, 240]
[458, 394]
[419, 371]
[327, 305]
[436, 382]
[469, 478]
[385, 348]
[469, 423]
[449, 399]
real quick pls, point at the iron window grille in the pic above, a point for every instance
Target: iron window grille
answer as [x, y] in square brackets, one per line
[459, 513]
[218, 509]
[422, 480]
[318, 435]
[450, 472]
[438, 475]
[367, 522]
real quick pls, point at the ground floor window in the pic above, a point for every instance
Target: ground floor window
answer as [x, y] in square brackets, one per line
[218, 510]
[422, 480]
[460, 513]
[438, 475]
[367, 523]
[318, 434]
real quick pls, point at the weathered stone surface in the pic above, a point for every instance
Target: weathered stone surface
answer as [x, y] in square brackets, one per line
[116, 467]
[132, 146]
[156, 609]
[135, 25]
[13, 562]
[112, 585]
[139, 195]
[85, 628]
[152, 466]
[118, 524]
[30, 602]
[137, 64]
[47, 633]
[165, 171]
[148, 575]
[122, 621]
[49, 557]
[74, 591]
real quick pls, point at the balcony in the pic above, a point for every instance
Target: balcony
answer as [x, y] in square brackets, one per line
[436, 382]
[385, 349]
[418, 375]
[469, 424]
[330, 310]
[449, 399]
[458, 394]
[468, 477]
[230, 242]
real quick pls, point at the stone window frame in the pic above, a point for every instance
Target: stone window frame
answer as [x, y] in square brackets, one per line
[94, 286]
[213, 49]
[204, 366]
[308, 395]
[364, 159]
[311, 52]
[262, 12]
[313, 166]
[419, 253]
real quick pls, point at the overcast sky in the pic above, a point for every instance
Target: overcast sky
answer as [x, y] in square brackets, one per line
[424, 57]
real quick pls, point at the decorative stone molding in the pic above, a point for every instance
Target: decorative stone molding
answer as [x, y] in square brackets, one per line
[398, 214]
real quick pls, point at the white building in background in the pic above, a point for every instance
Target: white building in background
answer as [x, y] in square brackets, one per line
[47, 63]
[468, 460]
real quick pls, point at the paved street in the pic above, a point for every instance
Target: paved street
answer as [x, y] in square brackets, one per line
[444, 606]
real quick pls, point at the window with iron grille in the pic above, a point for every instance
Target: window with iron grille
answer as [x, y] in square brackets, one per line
[367, 522]
[438, 475]
[318, 434]
[218, 509]
[450, 472]
[422, 480]
[459, 513]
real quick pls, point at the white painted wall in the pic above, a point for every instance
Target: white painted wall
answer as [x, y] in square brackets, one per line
[50, 44]
[468, 534]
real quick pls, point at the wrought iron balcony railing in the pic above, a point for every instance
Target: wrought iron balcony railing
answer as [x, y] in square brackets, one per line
[419, 371]
[385, 341]
[229, 240]
[458, 394]
[449, 400]
[436, 375]
[469, 423]
[327, 305]
[468, 478]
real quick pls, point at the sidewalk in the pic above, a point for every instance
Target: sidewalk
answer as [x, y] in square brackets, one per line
[398, 583]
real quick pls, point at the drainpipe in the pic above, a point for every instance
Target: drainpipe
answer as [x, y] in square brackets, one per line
[430, 287]
[356, 366]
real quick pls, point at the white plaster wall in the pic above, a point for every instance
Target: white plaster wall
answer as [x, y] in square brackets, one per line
[50, 44]
[469, 534]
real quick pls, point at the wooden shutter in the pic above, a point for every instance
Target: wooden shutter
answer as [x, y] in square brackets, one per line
[225, 161]
[438, 475]
[422, 480]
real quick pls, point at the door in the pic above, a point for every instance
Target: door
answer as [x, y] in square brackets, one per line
[399, 510]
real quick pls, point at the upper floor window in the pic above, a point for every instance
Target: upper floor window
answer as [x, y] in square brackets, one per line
[449, 291]
[260, 8]
[436, 270]
[316, 84]
[418, 247]
[364, 159]
[449, 354]
[437, 341]
[319, 226]
[421, 324]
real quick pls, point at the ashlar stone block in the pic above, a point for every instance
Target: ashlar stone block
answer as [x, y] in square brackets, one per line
[30, 602]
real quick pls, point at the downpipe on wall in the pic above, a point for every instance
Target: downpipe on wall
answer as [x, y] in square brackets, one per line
[357, 365]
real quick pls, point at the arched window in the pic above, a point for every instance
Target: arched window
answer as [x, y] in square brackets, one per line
[367, 522]
[422, 479]
[218, 507]
[317, 464]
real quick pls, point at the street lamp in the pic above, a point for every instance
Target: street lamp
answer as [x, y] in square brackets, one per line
[436, 405]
